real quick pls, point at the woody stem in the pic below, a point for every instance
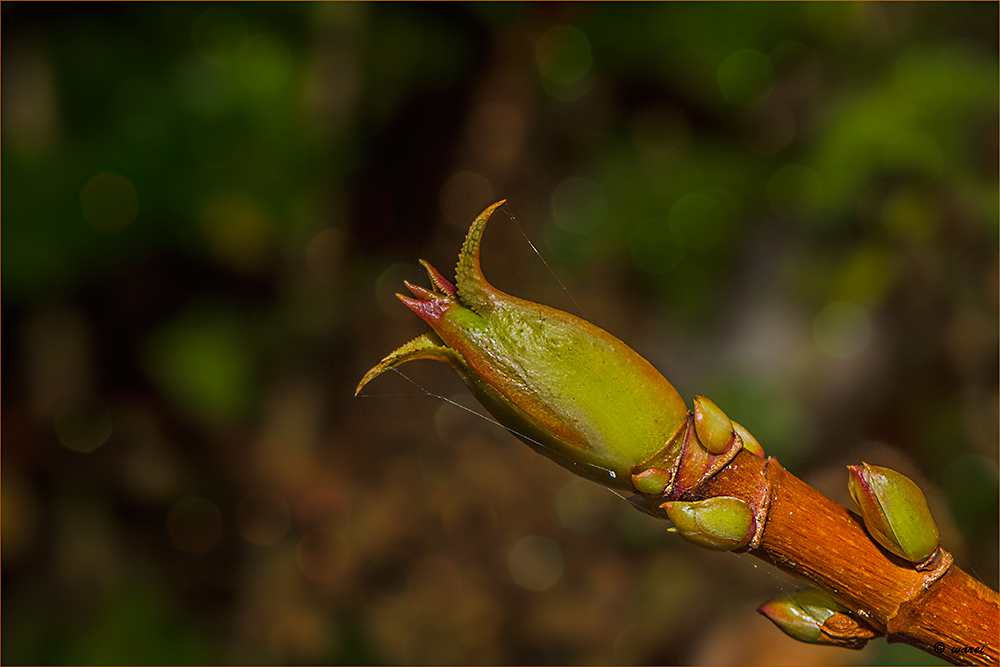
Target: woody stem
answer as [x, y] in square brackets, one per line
[807, 534]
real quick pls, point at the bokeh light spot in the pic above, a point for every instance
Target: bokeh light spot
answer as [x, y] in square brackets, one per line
[203, 88]
[463, 196]
[202, 363]
[582, 507]
[842, 330]
[697, 220]
[535, 563]
[83, 426]
[746, 77]
[796, 192]
[654, 248]
[194, 525]
[237, 230]
[263, 517]
[109, 202]
[266, 65]
[496, 130]
[218, 35]
[565, 60]
[563, 55]
[579, 205]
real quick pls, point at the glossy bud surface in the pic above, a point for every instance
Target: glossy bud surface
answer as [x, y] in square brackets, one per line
[895, 511]
[722, 523]
[568, 389]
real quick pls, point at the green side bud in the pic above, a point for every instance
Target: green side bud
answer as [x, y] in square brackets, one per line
[568, 389]
[749, 442]
[652, 481]
[722, 523]
[814, 617]
[714, 428]
[801, 615]
[895, 511]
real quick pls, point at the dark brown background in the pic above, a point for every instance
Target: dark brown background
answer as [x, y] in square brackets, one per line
[791, 209]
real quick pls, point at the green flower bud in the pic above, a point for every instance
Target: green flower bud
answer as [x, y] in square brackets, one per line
[722, 523]
[568, 389]
[895, 511]
[749, 442]
[714, 428]
[814, 617]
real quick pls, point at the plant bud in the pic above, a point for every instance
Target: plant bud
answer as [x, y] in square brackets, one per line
[722, 523]
[749, 442]
[895, 511]
[814, 617]
[652, 481]
[568, 389]
[714, 428]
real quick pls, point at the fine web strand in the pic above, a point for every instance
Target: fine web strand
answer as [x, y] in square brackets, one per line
[553, 273]
[774, 574]
[426, 392]
[423, 391]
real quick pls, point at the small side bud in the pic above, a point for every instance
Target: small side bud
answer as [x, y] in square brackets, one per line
[714, 428]
[722, 523]
[653, 481]
[814, 617]
[749, 442]
[895, 511]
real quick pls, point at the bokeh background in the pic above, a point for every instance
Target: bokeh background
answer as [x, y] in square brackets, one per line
[790, 208]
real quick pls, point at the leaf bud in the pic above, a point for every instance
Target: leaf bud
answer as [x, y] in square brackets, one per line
[571, 391]
[721, 523]
[652, 481]
[895, 511]
[749, 442]
[814, 617]
[714, 428]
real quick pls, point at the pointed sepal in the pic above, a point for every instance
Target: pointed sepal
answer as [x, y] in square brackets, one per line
[473, 288]
[557, 382]
[421, 347]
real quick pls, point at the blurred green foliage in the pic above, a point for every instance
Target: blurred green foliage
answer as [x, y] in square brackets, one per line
[792, 209]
